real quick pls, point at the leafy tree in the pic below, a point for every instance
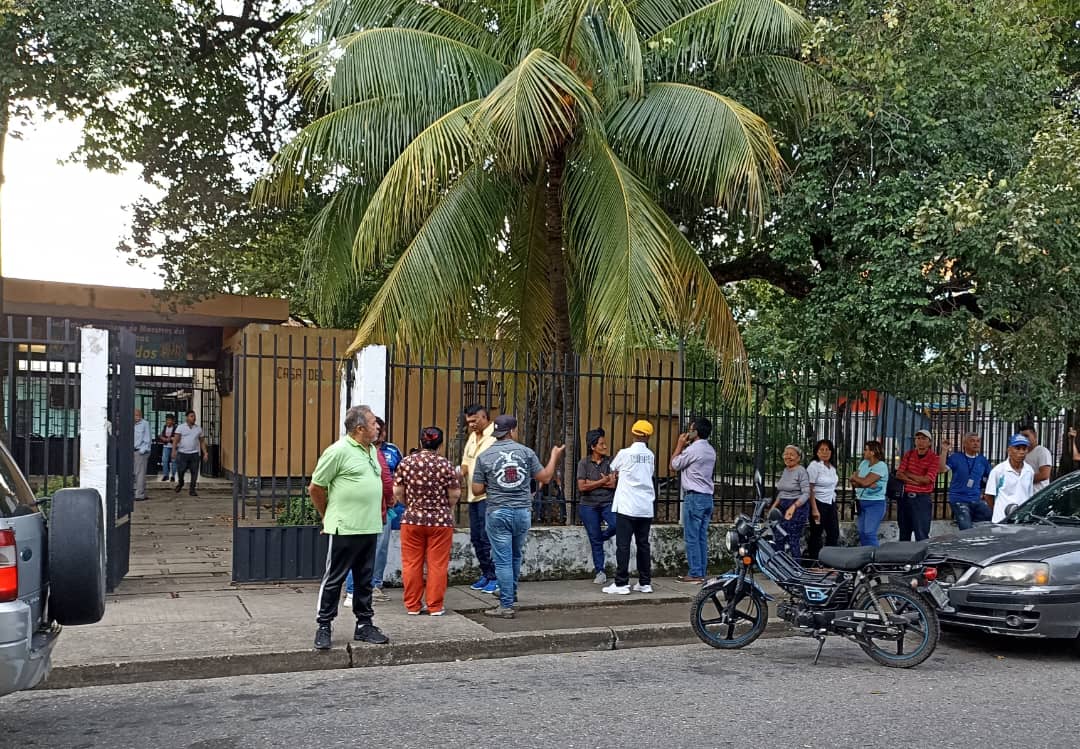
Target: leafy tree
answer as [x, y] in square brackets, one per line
[932, 98]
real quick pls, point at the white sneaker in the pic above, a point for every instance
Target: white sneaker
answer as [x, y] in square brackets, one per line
[638, 588]
[348, 601]
[600, 578]
[618, 590]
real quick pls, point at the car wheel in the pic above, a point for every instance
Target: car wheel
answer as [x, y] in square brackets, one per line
[76, 557]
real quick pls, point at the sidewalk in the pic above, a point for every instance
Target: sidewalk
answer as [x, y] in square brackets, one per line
[213, 630]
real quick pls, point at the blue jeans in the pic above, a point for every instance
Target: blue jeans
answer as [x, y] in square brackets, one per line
[870, 516]
[591, 515]
[168, 466]
[479, 538]
[967, 513]
[697, 509]
[507, 529]
[382, 551]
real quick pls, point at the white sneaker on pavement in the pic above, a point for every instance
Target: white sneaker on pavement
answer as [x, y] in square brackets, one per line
[348, 601]
[638, 588]
[600, 578]
[618, 590]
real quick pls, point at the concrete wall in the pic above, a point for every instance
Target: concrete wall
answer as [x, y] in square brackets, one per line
[563, 553]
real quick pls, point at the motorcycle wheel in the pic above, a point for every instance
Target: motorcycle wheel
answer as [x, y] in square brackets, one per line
[712, 625]
[919, 638]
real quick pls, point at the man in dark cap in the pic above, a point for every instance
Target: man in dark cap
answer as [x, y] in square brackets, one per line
[503, 473]
[596, 489]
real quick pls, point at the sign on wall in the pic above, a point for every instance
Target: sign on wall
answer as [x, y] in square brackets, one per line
[161, 345]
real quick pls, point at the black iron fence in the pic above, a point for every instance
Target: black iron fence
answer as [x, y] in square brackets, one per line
[284, 399]
[781, 409]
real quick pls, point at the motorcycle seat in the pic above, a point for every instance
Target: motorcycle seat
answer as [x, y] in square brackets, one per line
[846, 558]
[901, 552]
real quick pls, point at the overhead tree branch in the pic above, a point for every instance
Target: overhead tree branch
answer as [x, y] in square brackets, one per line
[948, 305]
[764, 267]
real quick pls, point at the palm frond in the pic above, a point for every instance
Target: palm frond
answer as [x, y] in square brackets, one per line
[608, 51]
[328, 267]
[533, 112]
[436, 73]
[652, 15]
[363, 137]
[425, 299]
[710, 145]
[414, 184]
[622, 254]
[522, 293]
[721, 31]
[791, 88]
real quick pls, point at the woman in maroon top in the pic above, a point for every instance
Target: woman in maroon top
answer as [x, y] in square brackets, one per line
[429, 486]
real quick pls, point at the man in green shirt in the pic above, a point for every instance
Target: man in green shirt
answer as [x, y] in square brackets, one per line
[346, 489]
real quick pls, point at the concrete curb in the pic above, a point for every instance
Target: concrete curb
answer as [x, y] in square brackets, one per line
[509, 645]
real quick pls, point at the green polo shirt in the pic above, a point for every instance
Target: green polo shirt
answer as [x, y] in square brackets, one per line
[352, 478]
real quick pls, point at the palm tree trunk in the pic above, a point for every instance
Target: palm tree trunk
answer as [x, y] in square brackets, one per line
[566, 410]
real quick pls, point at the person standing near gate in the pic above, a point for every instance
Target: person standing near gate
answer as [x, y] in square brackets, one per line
[168, 465]
[481, 437]
[695, 460]
[970, 469]
[918, 470]
[142, 455]
[428, 487]
[1011, 482]
[635, 497]
[189, 444]
[824, 519]
[347, 491]
[596, 488]
[502, 474]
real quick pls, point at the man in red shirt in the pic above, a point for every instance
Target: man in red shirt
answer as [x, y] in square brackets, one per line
[918, 470]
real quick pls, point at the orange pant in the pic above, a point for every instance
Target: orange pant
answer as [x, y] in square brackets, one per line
[420, 544]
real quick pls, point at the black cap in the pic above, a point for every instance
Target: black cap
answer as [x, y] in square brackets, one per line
[504, 424]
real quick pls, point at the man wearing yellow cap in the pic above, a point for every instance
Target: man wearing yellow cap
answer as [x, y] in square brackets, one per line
[633, 503]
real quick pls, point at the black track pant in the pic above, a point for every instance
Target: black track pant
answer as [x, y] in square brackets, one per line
[638, 528]
[829, 526]
[355, 553]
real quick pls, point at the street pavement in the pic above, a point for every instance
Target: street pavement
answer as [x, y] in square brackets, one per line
[974, 692]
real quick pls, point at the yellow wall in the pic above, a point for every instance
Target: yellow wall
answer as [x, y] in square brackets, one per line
[289, 383]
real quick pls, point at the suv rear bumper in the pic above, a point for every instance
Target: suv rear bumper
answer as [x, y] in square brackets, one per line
[26, 655]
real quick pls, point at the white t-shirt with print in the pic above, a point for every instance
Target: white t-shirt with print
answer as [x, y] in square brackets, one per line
[634, 492]
[824, 479]
[1009, 487]
[1038, 457]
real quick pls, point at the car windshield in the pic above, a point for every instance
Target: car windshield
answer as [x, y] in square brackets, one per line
[15, 494]
[1058, 503]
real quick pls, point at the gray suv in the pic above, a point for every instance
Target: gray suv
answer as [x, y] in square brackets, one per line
[52, 572]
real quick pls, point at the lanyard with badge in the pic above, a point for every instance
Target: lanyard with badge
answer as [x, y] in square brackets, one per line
[971, 463]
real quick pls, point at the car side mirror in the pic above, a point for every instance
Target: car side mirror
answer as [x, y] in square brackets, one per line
[1011, 510]
[775, 515]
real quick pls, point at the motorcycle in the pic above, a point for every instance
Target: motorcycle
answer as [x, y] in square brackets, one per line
[885, 598]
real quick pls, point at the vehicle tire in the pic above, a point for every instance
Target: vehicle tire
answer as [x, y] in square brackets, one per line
[901, 599]
[76, 557]
[751, 611]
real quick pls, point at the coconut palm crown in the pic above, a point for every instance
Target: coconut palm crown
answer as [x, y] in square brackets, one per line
[512, 153]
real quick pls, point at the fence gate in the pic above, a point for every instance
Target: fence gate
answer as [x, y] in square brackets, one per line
[284, 398]
[120, 490]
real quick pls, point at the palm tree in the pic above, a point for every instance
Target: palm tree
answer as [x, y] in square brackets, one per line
[517, 151]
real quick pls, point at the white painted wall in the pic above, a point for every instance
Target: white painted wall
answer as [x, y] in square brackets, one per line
[369, 383]
[94, 424]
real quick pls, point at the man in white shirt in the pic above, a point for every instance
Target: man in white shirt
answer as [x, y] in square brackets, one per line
[1010, 482]
[142, 454]
[1038, 457]
[633, 503]
[189, 443]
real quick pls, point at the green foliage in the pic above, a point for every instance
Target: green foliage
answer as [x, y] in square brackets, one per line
[298, 511]
[527, 151]
[927, 229]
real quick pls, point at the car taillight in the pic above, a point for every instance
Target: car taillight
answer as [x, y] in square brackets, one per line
[9, 566]
[930, 574]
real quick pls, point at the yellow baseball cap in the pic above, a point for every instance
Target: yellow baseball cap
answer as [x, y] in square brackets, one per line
[642, 428]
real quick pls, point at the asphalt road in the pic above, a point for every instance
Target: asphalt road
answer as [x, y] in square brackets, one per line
[971, 693]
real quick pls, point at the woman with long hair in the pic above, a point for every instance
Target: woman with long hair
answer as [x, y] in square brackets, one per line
[823, 516]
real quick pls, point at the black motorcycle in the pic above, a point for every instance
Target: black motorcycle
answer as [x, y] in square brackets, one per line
[884, 598]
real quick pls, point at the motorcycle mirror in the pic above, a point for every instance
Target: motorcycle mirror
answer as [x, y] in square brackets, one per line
[1011, 510]
[775, 515]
